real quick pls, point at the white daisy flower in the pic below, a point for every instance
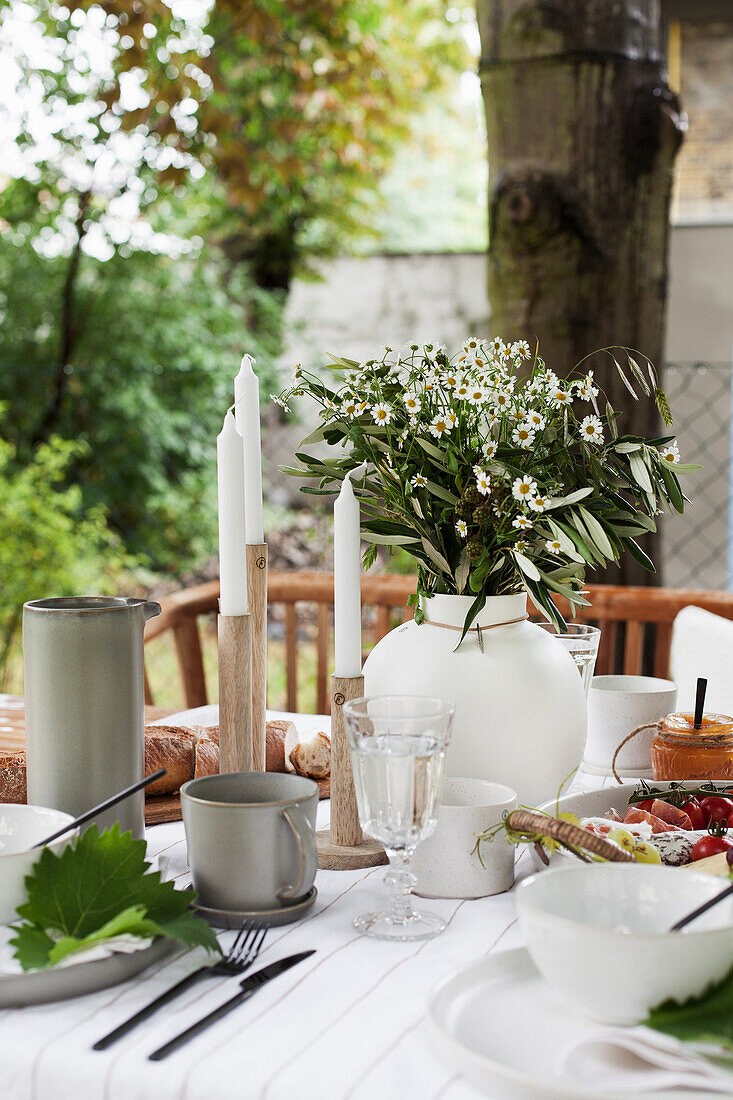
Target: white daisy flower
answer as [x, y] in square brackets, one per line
[451, 418]
[483, 481]
[279, 401]
[535, 420]
[351, 407]
[524, 489]
[585, 387]
[521, 545]
[402, 438]
[462, 528]
[419, 481]
[381, 413]
[429, 383]
[671, 452]
[522, 523]
[328, 404]
[478, 362]
[471, 345]
[488, 450]
[501, 399]
[538, 503]
[523, 436]
[497, 345]
[462, 391]
[553, 546]
[450, 380]
[413, 422]
[412, 403]
[440, 424]
[561, 397]
[519, 350]
[591, 430]
[476, 396]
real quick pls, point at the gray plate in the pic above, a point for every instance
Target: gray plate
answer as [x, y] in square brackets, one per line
[284, 914]
[41, 986]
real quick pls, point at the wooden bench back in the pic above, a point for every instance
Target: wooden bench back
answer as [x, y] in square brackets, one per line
[635, 622]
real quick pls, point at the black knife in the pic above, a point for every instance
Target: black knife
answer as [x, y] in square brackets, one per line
[247, 989]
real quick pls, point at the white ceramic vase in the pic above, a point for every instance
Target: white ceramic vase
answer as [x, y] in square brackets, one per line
[520, 705]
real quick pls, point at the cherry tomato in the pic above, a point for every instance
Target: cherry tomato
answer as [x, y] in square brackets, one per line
[730, 823]
[694, 812]
[710, 846]
[715, 808]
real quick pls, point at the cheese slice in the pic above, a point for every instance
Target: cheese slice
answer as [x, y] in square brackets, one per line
[713, 865]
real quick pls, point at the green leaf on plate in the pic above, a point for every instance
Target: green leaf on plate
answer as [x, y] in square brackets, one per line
[704, 1019]
[97, 881]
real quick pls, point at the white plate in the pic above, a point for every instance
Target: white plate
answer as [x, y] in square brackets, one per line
[591, 804]
[503, 1028]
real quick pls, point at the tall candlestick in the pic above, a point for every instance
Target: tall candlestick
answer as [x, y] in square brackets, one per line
[347, 581]
[232, 531]
[247, 408]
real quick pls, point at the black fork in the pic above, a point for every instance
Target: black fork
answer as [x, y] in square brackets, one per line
[243, 952]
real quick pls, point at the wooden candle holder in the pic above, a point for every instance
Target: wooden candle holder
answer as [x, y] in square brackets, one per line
[343, 847]
[257, 599]
[235, 693]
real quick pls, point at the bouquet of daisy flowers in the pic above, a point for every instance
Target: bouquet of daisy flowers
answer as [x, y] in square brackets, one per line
[489, 470]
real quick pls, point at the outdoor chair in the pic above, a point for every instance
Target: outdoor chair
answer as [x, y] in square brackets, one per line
[636, 625]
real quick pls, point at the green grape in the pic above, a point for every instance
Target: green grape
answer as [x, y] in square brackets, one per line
[644, 852]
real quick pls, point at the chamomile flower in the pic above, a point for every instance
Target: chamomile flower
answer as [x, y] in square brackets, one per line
[519, 350]
[402, 438]
[523, 436]
[671, 452]
[497, 346]
[419, 481]
[451, 417]
[553, 546]
[450, 380]
[351, 407]
[429, 382]
[471, 346]
[502, 399]
[476, 395]
[381, 413]
[328, 403]
[462, 528]
[585, 387]
[440, 424]
[522, 523]
[521, 545]
[591, 430]
[538, 503]
[462, 391]
[524, 489]
[279, 401]
[412, 403]
[483, 481]
[561, 397]
[488, 449]
[535, 420]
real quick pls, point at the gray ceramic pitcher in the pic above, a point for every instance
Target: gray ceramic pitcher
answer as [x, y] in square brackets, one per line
[85, 699]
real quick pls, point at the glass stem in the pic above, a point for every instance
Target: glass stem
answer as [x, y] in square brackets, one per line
[400, 881]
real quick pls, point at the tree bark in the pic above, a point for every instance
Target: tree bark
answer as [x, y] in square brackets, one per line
[582, 134]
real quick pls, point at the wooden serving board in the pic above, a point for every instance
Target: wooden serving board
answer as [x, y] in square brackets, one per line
[167, 807]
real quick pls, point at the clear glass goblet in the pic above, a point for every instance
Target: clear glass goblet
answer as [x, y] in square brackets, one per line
[581, 642]
[398, 745]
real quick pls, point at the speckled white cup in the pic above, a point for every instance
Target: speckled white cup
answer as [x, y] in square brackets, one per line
[446, 864]
[616, 706]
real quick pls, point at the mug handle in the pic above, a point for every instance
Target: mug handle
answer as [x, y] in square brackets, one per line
[306, 841]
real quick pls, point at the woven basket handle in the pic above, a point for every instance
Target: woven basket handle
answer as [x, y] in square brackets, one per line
[524, 821]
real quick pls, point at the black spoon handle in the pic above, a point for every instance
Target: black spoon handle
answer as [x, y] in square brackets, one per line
[106, 805]
[702, 909]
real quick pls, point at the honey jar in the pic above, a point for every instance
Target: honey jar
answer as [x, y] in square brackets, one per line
[679, 751]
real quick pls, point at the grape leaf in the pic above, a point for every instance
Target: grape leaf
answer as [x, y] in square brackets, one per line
[704, 1019]
[92, 883]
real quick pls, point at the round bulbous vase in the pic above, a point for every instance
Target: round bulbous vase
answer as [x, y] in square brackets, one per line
[520, 704]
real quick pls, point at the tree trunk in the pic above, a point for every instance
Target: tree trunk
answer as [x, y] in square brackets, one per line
[582, 135]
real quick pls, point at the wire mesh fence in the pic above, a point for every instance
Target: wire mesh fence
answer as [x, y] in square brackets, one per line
[696, 547]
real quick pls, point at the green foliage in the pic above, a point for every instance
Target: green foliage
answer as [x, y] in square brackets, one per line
[704, 1019]
[157, 345]
[97, 888]
[51, 543]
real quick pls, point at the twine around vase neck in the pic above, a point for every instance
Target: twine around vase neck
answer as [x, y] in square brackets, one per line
[478, 630]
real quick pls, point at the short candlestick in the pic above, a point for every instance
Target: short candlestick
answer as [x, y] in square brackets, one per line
[257, 598]
[235, 693]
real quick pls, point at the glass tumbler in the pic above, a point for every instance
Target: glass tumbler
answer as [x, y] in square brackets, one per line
[398, 745]
[581, 642]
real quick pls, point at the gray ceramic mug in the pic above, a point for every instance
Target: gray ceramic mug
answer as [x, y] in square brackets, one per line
[251, 839]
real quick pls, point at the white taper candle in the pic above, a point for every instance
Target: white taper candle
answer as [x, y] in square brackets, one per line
[347, 580]
[247, 411]
[232, 531]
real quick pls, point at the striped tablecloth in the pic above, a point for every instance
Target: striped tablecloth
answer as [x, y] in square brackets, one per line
[350, 1022]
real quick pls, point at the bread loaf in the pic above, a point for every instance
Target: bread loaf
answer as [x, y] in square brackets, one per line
[13, 778]
[172, 748]
[206, 760]
[312, 758]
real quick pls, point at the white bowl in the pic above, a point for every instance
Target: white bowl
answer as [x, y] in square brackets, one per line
[599, 935]
[20, 828]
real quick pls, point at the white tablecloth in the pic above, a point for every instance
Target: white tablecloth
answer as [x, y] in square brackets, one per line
[350, 1022]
